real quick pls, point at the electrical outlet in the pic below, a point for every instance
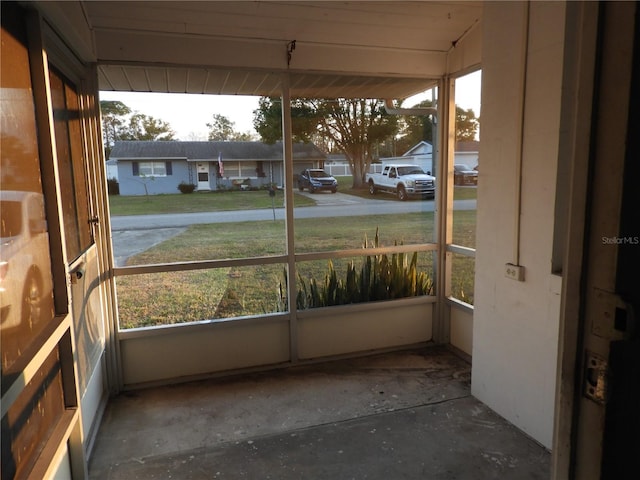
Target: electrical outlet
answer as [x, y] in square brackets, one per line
[514, 272]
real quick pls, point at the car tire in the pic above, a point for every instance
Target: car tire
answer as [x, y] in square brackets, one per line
[312, 189]
[300, 188]
[372, 188]
[401, 193]
[334, 190]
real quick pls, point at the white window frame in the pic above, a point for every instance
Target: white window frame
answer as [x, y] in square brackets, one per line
[153, 167]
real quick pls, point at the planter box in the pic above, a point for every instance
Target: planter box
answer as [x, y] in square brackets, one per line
[369, 326]
[189, 350]
[164, 354]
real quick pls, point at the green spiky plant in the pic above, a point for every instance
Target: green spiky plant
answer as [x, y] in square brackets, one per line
[378, 278]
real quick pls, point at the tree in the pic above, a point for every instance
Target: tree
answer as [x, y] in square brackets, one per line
[356, 126]
[223, 129]
[267, 120]
[119, 122]
[114, 115]
[145, 127]
[466, 124]
[415, 129]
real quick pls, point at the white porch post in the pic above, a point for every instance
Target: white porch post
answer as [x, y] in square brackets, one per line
[444, 206]
[287, 151]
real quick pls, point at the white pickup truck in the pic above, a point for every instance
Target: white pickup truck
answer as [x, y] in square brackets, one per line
[403, 180]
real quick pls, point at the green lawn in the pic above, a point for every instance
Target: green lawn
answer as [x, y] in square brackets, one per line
[199, 202]
[235, 200]
[188, 296]
[465, 193]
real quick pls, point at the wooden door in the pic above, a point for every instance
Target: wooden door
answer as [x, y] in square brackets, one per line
[608, 398]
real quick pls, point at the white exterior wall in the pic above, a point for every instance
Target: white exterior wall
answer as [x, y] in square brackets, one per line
[470, 159]
[515, 332]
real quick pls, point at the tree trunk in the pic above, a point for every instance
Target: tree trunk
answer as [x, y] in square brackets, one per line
[358, 174]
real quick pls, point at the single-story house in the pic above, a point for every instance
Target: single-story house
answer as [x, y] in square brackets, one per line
[337, 165]
[466, 152]
[154, 167]
[112, 169]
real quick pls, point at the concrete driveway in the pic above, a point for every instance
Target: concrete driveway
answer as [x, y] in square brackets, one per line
[127, 243]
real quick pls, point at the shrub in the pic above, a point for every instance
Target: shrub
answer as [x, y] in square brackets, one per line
[186, 187]
[378, 278]
[113, 187]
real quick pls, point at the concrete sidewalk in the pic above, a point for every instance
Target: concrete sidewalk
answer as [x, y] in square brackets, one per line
[332, 207]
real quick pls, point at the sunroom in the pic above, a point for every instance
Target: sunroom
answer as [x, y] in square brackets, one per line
[93, 329]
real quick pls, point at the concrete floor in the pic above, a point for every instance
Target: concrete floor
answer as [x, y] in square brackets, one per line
[403, 415]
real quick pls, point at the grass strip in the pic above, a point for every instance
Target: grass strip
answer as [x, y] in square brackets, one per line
[176, 297]
[236, 200]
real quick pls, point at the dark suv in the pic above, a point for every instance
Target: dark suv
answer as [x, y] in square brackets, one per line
[316, 179]
[463, 175]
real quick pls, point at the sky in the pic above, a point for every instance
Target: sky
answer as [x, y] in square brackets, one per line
[188, 114]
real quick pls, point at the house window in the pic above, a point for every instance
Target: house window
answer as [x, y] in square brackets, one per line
[151, 169]
[240, 169]
[231, 169]
[248, 169]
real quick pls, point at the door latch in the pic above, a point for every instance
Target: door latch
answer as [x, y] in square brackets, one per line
[596, 378]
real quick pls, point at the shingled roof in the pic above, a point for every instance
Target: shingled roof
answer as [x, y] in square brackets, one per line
[191, 151]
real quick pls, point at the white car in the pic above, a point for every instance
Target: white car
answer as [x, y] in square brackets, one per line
[403, 180]
[26, 285]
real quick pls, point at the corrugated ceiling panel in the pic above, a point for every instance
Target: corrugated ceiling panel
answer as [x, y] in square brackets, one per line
[116, 78]
[196, 80]
[158, 79]
[259, 82]
[103, 81]
[236, 82]
[269, 85]
[137, 77]
[177, 80]
[216, 79]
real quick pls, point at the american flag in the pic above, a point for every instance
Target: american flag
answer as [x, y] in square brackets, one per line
[220, 166]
